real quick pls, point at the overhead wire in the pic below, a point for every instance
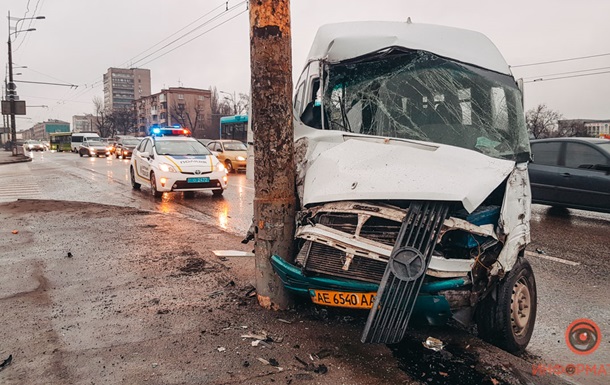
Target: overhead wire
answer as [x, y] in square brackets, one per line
[567, 73]
[559, 60]
[29, 25]
[128, 62]
[228, 9]
[196, 37]
[565, 77]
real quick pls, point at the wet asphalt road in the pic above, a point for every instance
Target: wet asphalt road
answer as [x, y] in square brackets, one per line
[66, 176]
[566, 292]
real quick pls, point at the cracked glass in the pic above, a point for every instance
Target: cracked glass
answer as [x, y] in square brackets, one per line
[418, 95]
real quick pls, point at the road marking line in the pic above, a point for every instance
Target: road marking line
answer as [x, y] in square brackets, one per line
[554, 259]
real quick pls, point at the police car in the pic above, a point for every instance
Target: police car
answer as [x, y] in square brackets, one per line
[170, 160]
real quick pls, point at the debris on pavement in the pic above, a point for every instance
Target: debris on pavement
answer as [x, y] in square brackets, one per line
[273, 362]
[284, 321]
[15, 231]
[320, 369]
[262, 336]
[69, 255]
[232, 253]
[323, 353]
[433, 344]
[6, 362]
[540, 251]
[251, 292]
[221, 349]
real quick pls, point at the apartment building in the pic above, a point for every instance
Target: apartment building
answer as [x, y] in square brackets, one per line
[84, 123]
[41, 131]
[124, 85]
[187, 107]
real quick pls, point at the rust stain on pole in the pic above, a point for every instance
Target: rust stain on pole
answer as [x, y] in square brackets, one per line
[274, 174]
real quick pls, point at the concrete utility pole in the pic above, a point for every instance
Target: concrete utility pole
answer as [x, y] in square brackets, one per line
[274, 174]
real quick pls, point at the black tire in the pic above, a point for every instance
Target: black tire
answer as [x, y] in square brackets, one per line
[116, 155]
[229, 166]
[80, 153]
[153, 186]
[506, 317]
[189, 194]
[134, 185]
[218, 192]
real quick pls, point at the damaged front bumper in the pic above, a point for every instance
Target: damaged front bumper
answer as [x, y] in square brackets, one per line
[431, 306]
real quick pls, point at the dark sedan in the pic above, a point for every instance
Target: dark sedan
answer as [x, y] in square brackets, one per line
[571, 172]
[124, 147]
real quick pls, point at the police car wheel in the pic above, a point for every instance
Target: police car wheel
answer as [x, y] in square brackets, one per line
[135, 185]
[153, 187]
[218, 193]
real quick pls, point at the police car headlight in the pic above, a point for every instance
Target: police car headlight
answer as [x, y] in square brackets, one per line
[166, 167]
[220, 167]
[240, 158]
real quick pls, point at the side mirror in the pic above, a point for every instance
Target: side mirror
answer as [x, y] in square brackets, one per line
[145, 154]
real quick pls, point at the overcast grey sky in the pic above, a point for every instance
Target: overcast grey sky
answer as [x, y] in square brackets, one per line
[80, 39]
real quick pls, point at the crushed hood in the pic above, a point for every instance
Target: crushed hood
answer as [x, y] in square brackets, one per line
[359, 169]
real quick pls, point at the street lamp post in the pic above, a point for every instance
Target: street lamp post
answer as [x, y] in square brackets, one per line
[11, 84]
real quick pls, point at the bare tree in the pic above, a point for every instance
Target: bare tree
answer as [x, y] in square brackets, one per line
[123, 120]
[572, 128]
[102, 122]
[220, 108]
[542, 122]
[188, 116]
[238, 105]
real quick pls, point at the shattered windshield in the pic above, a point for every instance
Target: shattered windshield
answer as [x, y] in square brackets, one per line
[418, 95]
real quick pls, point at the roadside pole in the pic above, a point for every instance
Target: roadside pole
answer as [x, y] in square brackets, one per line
[274, 175]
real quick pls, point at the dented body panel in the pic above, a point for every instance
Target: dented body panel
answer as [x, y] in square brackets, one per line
[411, 171]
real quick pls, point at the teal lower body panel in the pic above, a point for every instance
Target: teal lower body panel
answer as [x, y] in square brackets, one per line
[430, 308]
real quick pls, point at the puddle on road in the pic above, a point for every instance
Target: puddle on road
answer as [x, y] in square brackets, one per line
[452, 365]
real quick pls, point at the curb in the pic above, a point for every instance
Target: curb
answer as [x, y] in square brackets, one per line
[20, 159]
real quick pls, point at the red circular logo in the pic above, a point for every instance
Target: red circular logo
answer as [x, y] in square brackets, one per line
[583, 336]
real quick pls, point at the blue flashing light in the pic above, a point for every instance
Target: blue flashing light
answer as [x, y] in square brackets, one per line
[156, 130]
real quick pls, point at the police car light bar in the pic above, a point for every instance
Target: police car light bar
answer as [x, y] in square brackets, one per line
[170, 131]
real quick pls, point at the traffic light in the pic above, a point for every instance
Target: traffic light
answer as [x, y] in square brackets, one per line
[11, 91]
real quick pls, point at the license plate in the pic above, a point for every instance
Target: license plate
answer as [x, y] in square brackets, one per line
[343, 299]
[198, 180]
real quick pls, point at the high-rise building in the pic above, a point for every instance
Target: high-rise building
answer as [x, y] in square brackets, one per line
[187, 107]
[124, 85]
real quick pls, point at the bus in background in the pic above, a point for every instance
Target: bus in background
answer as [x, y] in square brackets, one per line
[234, 127]
[60, 141]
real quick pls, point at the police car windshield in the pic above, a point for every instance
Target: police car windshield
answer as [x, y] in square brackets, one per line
[180, 147]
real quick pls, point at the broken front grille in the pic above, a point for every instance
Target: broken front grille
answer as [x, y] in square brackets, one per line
[405, 272]
[374, 228]
[325, 259]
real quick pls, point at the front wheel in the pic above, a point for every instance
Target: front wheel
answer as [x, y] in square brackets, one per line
[218, 192]
[229, 166]
[153, 187]
[507, 320]
[134, 185]
[80, 154]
